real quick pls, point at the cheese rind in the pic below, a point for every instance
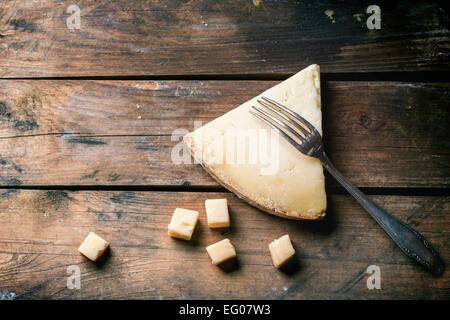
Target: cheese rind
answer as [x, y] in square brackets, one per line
[221, 251]
[296, 187]
[281, 250]
[217, 213]
[93, 246]
[182, 223]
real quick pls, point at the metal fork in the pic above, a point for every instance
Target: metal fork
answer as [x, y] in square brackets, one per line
[306, 139]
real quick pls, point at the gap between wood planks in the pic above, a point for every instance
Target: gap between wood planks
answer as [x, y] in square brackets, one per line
[387, 191]
[84, 135]
[416, 76]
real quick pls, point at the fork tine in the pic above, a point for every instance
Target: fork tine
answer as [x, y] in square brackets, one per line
[281, 132]
[292, 113]
[281, 123]
[281, 114]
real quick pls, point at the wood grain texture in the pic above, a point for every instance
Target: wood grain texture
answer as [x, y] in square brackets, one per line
[379, 134]
[105, 133]
[133, 37]
[41, 231]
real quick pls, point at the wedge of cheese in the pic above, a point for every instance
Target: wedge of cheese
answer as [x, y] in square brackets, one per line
[252, 160]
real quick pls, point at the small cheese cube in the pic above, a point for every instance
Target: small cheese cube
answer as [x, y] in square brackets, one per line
[281, 250]
[217, 213]
[93, 246]
[221, 251]
[183, 223]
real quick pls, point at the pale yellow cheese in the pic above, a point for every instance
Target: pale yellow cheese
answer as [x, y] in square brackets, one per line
[269, 173]
[183, 223]
[221, 251]
[281, 250]
[93, 246]
[217, 213]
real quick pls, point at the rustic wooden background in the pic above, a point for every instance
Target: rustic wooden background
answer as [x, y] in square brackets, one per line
[86, 123]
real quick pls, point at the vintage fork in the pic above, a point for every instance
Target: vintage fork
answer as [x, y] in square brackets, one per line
[290, 124]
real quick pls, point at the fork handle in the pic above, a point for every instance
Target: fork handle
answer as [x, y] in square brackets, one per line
[408, 239]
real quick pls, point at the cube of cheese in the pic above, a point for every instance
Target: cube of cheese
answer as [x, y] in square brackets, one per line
[217, 213]
[221, 251]
[93, 247]
[183, 223]
[281, 250]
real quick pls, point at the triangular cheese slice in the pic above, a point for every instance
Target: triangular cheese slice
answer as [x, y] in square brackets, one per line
[269, 173]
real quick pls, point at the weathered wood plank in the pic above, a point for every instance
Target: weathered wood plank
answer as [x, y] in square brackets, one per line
[132, 37]
[41, 231]
[380, 134]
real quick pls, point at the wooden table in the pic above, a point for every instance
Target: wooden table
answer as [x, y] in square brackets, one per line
[87, 119]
